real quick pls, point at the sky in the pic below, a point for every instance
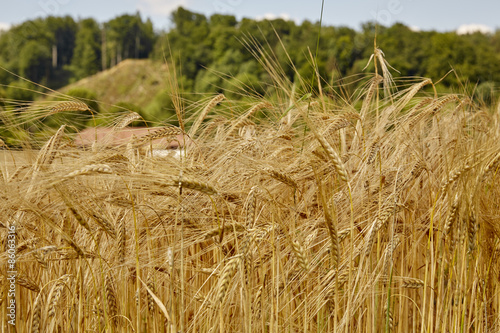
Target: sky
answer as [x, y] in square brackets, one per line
[441, 15]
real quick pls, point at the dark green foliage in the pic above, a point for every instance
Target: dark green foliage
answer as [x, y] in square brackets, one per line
[161, 109]
[127, 36]
[221, 54]
[87, 56]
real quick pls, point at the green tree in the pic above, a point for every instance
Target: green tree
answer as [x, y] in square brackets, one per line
[87, 53]
[34, 61]
[127, 36]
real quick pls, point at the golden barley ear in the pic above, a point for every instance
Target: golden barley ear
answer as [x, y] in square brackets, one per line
[301, 255]
[213, 102]
[68, 106]
[151, 285]
[48, 151]
[36, 316]
[56, 293]
[27, 283]
[226, 276]
[165, 132]
[121, 240]
[111, 297]
[126, 120]
[330, 152]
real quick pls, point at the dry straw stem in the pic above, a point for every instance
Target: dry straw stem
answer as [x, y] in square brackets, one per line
[226, 277]
[126, 120]
[69, 106]
[213, 102]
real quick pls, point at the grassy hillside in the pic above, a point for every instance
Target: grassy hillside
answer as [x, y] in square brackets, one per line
[131, 81]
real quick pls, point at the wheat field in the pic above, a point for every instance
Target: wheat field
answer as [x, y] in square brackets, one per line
[376, 213]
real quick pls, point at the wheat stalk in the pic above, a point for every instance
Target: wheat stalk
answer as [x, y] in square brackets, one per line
[213, 102]
[369, 94]
[36, 314]
[389, 317]
[282, 177]
[90, 169]
[300, 254]
[56, 293]
[472, 228]
[226, 228]
[451, 216]
[250, 205]
[121, 241]
[193, 184]
[373, 152]
[27, 283]
[226, 276]
[104, 224]
[453, 176]
[49, 150]
[151, 286]
[126, 120]
[68, 106]
[165, 132]
[379, 222]
[332, 154]
[110, 297]
[389, 250]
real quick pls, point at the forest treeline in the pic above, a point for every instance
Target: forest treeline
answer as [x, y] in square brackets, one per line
[217, 53]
